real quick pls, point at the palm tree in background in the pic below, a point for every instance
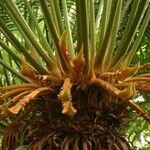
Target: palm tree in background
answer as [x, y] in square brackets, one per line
[76, 76]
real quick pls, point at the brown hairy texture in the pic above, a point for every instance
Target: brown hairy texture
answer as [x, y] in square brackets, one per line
[94, 126]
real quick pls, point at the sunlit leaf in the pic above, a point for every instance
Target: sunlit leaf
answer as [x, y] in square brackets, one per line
[23, 102]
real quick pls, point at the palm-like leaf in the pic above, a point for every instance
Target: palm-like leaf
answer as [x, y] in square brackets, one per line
[77, 45]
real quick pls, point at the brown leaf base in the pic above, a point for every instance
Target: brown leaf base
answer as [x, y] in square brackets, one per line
[99, 123]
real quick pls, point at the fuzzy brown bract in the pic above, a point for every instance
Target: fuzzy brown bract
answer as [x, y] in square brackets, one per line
[94, 126]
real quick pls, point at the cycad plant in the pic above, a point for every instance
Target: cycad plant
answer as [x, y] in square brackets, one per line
[76, 80]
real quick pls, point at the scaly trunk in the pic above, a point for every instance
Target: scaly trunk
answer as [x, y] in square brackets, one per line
[98, 124]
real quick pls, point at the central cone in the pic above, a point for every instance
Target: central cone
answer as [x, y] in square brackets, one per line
[96, 125]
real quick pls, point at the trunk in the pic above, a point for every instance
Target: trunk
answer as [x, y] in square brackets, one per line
[98, 124]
